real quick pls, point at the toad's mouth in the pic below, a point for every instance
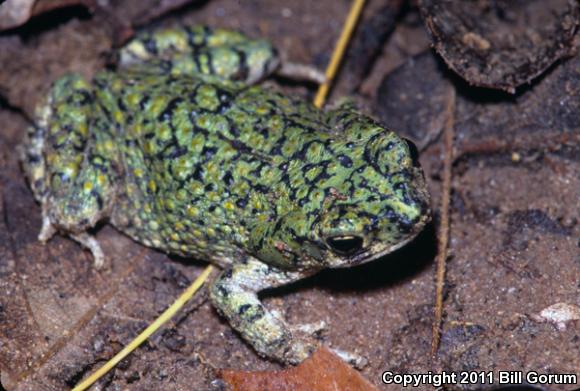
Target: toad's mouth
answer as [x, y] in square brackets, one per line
[355, 251]
[376, 251]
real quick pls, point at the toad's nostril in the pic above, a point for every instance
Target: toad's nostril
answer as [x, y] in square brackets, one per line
[345, 245]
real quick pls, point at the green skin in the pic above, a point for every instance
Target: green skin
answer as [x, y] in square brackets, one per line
[179, 151]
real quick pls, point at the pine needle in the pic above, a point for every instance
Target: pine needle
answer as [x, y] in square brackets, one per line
[153, 327]
[339, 50]
[443, 234]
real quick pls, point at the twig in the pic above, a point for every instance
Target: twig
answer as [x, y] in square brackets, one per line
[339, 50]
[153, 327]
[443, 235]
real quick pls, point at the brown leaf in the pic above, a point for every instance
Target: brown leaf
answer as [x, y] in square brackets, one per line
[323, 371]
[501, 44]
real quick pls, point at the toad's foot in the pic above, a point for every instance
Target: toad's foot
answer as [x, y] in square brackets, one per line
[88, 241]
[91, 244]
[304, 72]
[357, 361]
[47, 231]
[310, 329]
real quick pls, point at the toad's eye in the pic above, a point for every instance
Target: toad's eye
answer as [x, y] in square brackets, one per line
[345, 245]
[413, 151]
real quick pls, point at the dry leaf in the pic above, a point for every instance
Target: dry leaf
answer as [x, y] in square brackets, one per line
[323, 371]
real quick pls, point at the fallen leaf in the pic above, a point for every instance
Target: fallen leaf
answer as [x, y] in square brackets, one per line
[501, 44]
[321, 372]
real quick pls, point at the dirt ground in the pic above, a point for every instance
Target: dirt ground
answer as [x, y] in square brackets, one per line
[514, 236]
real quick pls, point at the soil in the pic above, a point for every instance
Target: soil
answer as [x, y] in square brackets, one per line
[515, 213]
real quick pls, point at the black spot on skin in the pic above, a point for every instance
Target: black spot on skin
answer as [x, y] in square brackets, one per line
[242, 202]
[33, 158]
[98, 198]
[405, 225]
[228, 179]
[261, 188]
[130, 144]
[391, 215]
[198, 173]
[258, 312]
[223, 292]
[121, 105]
[207, 31]
[243, 309]
[144, 102]
[282, 341]
[150, 46]
[167, 113]
[172, 152]
[399, 186]
[345, 161]
[208, 152]
[210, 62]
[165, 66]
[224, 96]
[99, 162]
[85, 97]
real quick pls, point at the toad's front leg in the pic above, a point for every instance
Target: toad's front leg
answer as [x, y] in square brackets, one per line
[235, 295]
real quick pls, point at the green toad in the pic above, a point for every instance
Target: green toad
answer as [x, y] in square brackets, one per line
[178, 150]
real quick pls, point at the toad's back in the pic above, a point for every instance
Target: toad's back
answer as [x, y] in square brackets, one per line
[200, 158]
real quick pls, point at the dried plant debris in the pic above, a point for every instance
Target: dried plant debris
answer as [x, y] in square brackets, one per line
[560, 314]
[322, 372]
[415, 106]
[130, 14]
[372, 32]
[501, 44]
[544, 117]
[16, 13]
[124, 13]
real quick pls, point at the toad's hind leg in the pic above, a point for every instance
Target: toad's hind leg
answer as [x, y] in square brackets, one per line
[68, 160]
[201, 50]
